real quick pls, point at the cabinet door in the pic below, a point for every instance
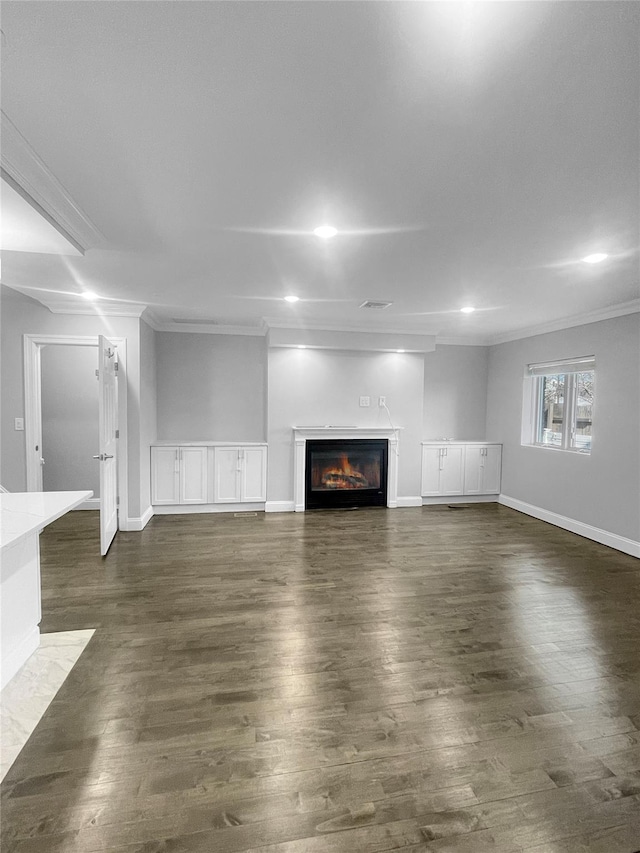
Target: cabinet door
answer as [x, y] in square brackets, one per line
[492, 469]
[193, 475]
[165, 463]
[473, 470]
[431, 462]
[227, 472]
[452, 473]
[254, 471]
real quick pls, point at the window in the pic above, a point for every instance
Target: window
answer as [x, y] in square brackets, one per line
[561, 404]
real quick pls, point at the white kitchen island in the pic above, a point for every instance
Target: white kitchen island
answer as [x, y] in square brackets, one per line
[22, 517]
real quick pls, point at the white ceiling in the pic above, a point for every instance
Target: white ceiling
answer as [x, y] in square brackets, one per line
[473, 153]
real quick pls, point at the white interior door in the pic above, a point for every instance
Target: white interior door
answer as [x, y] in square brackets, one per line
[108, 425]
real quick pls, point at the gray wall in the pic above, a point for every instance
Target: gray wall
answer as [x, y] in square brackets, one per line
[70, 419]
[211, 387]
[21, 315]
[602, 489]
[148, 410]
[316, 387]
[455, 393]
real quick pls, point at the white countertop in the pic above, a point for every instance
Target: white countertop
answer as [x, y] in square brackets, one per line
[167, 443]
[444, 441]
[22, 513]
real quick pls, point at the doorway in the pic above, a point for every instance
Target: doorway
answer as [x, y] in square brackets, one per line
[33, 377]
[70, 421]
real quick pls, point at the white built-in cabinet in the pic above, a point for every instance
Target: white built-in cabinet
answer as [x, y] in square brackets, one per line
[482, 468]
[240, 474]
[179, 475]
[208, 473]
[442, 470]
[460, 468]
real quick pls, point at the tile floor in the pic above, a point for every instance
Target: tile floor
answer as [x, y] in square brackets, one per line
[28, 695]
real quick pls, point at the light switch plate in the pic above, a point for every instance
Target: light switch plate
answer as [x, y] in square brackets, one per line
[365, 401]
[19, 423]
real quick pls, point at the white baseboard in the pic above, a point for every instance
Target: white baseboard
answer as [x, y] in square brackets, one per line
[459, 499]
[91, 503]
[280, 506]
[604, 537]
[409, 501]
[191, 509]
[17, 657]
[137, 524]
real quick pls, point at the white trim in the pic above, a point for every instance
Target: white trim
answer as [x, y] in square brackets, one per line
[604, 537]
[32, 176]
[91, 309]
[632, 307]
[32, 344]
[189, 509]
[90, 503]
[458, 341]
[295, 325]
[280, 506]
[409, 501]
[16, 658]
[137, 524]
[459, 499]
[207, 329]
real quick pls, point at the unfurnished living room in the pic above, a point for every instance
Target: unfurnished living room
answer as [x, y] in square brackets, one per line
[320, 421]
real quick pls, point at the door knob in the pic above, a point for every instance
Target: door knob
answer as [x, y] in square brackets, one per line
[103, 456]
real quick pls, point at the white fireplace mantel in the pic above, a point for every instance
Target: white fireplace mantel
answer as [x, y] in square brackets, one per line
[302, 433]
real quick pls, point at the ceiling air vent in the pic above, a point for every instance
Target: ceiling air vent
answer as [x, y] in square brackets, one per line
[371, 303]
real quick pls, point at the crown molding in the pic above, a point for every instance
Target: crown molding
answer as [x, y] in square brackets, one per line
[324, 327]
[453, 341]
[632, 307]
[101, 309]
[159, 325]
[31, 177]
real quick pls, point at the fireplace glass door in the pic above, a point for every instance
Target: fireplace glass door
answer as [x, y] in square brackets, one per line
[346, 473]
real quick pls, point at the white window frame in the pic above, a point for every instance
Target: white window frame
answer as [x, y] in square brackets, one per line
[534, 403]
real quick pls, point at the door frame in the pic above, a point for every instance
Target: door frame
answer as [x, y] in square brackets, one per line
[32, 345]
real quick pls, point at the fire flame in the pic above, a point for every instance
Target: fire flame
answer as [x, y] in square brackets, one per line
[345, 476]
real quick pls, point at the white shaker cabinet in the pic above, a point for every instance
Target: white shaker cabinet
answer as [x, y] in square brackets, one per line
[240, 474]
[178, 475]
[193, 475]
[460, 468]
[482, 469]
[442, 469]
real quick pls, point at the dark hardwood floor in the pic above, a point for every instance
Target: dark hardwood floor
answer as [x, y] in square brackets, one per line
[459, 680]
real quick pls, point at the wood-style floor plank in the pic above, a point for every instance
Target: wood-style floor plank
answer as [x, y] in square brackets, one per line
[336, 682]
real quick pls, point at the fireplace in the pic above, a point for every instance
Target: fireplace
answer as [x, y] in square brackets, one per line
[346, 473]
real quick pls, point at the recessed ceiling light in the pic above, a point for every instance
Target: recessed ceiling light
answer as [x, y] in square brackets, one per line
[400, 350]
[292, 299]
[467, 309]
[302, 346]
[595, 259]
[90, 295]
[325, 231]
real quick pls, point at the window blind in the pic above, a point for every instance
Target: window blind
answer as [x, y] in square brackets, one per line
[568, 365]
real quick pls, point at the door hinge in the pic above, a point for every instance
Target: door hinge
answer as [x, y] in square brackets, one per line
[118, 500]
[117, 433]
[97, 374]
[115, 366]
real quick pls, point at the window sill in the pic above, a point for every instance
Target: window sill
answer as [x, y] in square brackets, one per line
[574, 451]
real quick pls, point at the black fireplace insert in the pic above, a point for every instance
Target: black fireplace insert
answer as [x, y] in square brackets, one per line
[346, 473]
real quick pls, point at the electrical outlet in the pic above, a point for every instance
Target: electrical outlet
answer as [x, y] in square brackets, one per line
[365, 401]
[382, 402]
[19, 423]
